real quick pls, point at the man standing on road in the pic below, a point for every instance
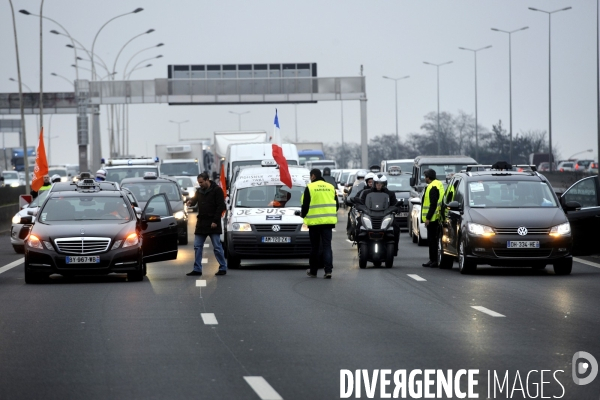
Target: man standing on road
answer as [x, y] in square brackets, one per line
[211, 204]
[430, 213]
[319, 210]
[45, 186]
[328, 178]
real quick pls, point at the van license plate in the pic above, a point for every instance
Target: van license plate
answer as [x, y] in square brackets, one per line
[276, 239]
[83, 260]
[522, 244]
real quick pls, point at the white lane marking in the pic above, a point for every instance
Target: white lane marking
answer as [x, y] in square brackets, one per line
[200, 283]
[11, 265]
[417, 277]
[204, 260]
[488, 311]
[209, 319]
[586, 262]
[262, 388]
[205, 244]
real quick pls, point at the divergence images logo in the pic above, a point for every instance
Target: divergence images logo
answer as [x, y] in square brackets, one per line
[582, 367]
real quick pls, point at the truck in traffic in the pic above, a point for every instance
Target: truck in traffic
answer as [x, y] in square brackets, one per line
[310, 151]
[181, 159]
[222, 140]
[12, 158]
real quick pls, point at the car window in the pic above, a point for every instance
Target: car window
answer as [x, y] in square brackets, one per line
[460, 192]
[451, 190]
[39, 199]
[85, 208]
[144, 190]
[583, 192]
[398, 183]
[442, 171]
[117, 174]
[10, 175]
[277, 196]
[158, 206]
[185, 182]
[404, 166]
[510, 194]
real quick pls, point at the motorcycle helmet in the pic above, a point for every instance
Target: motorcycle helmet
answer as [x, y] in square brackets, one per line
[380, 178]
[361, 174]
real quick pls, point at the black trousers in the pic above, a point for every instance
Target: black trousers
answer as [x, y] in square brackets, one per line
[320, 252]
[432, 240]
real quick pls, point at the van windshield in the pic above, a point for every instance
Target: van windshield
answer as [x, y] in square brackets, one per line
[276, 196]
[443, 171]
[180, 168]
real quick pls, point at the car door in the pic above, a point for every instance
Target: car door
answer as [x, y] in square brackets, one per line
[584, 222]
[159, 237]
[454, 218]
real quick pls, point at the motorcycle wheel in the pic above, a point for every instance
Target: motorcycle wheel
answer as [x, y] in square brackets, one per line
[363, 252]
[389, 255]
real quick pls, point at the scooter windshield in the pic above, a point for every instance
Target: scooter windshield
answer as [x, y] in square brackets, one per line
[377, 201]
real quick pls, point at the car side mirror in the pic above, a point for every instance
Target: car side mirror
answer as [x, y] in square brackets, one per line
[413, 181]
[137, 210]
[415, 200]
[151, 218]
[453, 206]
[32, 212]
[26, 220]
[185, 193]
[572, 206]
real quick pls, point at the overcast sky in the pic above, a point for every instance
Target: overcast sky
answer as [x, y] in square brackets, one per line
[390, 38]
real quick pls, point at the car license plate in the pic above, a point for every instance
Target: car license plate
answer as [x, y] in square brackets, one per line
[522, 244]
[403, 214]
[83, 260]
[276, 239]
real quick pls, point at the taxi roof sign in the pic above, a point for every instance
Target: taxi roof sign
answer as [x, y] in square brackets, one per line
[150, 175]
[268, 163]
[394, 170]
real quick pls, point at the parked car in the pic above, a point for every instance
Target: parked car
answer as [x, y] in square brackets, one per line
[566, 166]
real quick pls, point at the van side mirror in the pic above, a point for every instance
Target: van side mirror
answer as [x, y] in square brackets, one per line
[32, 212]
[453, 206]
[413, 181]
[26, 220]
[571, 206]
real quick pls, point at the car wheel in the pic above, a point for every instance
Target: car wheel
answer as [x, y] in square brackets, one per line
[33, 277]
[18, 249]
[465, 266]
[444, 261]
[389, 255]
[363, 253]
[563, 267]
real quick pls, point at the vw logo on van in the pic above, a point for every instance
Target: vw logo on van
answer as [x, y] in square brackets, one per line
[522, 231]
[275, 228]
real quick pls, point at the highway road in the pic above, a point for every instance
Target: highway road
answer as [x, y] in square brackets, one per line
[268, 331]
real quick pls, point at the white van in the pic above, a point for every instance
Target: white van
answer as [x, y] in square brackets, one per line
[244, 154]
[260, 222]
[405, 165]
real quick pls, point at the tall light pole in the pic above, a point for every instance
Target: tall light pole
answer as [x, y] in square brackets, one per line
[178, 127]
[580, 152]
[24, 136]
[133, 56]
[476, 128]
[439, 144]
[60, 76]
[126, 123]
[239, 117]
[550, 155]
[510, 83]
[396, 97]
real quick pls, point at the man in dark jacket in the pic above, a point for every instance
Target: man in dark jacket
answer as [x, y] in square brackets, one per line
[211, 204]
[430, 214]
[328, 178]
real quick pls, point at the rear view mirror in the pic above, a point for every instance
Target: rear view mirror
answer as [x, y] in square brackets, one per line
[151, 218]
[572, 206]
[26, 220]
[185, 193]
[32, 212]
[415, 200]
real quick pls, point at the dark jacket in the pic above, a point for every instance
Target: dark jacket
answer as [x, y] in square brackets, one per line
[306, 203]
[330, 179]
[385, 190]
[211, 204]
[434, 196]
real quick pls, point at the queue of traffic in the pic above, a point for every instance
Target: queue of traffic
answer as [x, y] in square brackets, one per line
[497, 215]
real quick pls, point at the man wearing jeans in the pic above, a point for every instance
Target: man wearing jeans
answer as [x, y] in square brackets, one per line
[319, 210]
[211, 205]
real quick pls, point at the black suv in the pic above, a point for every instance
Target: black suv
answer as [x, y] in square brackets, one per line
[498, 216]
[91, 228]
[145, 187]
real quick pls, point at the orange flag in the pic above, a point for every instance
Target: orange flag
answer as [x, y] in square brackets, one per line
[223, 181]
[41, 165]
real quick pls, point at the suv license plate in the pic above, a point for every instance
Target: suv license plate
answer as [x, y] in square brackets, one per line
[276, 239]
[522, 244]
[83, 260]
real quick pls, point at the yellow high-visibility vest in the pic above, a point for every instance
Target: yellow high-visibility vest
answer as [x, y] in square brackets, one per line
[45, 187]
[322, 210]
[426, 203]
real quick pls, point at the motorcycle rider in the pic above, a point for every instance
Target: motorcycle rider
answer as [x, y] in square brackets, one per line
[380, 186]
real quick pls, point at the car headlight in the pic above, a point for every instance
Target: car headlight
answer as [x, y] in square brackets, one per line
[16, 219]
[14, 184]
[367, 222]
[35, 242]
[179, 215]
[480, 230]
[304, 228]
[131, 240]
[561, 230]
[386, 222]
[241, 227]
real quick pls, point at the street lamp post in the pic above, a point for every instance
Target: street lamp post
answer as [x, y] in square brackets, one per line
[60, 76]
[476, 128]
[510, 83]
[396, 98]
[178, 127]
[550, 155]
[239, 117]
[439, 148]
[581, 152]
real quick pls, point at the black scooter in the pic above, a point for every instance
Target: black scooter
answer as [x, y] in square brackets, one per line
[376, 242]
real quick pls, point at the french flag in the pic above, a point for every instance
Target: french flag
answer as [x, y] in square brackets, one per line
[284, 171]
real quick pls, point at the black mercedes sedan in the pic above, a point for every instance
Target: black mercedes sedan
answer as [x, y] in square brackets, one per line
[503, 217]
[91, 228]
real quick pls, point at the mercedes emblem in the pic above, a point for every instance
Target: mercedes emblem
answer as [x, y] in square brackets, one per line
[276, 228]
[82, 231]
[522, 231]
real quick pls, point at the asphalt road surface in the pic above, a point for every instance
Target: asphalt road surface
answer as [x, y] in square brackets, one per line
[268, 331]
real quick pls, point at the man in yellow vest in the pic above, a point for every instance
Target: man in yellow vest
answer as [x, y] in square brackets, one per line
[319, 210]
[430, 213]
[46, 186]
